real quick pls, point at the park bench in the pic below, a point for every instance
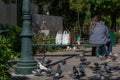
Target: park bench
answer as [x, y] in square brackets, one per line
[45, 45]
[97, 49]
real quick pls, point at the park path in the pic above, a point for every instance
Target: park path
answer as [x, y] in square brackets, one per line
[74, 61]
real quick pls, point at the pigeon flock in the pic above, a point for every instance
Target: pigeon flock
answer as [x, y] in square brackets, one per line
[77, 72]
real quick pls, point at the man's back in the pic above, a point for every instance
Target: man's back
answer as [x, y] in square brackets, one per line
[99, 34]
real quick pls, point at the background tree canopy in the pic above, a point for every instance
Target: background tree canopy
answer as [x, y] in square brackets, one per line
[76, 14]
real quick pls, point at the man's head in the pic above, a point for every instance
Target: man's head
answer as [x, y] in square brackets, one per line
[96, 18]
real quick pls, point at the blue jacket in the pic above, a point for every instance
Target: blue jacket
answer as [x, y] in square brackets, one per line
[99, 34]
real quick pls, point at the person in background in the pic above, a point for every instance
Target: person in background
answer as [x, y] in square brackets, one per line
[99, 34]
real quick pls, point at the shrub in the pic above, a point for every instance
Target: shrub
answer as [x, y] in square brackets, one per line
[9, 47]
[6, 53]
[117, 37]
[44, 39]
[13, 33]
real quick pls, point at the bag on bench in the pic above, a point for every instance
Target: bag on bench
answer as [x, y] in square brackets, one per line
[58, 39]
[66, 38]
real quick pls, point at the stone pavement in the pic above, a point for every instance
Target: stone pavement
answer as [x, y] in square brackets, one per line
[74, 61]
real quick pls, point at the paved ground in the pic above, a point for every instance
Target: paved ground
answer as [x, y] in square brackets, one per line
[74, 61]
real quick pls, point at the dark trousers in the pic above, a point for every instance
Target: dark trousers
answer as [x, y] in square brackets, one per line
[93, 51]
[109, 49]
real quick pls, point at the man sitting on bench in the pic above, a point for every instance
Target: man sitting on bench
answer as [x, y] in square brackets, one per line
[99, 34]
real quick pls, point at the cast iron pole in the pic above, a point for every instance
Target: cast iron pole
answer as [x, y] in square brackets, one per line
[26, 62]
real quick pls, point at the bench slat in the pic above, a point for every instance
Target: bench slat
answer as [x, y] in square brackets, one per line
[89, 45]
[45, 45]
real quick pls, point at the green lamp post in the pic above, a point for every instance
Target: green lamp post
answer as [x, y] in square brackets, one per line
[26, 63]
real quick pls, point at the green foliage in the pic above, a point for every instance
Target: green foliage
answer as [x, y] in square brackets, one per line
[107, 20]
[62, 8]
[118, 20]
[13, 34]
[44, 39]
[68, 10]
[110, 9]
[9, 41]
[117, 37]
[4, 75]
[6, 53]
[76, 5]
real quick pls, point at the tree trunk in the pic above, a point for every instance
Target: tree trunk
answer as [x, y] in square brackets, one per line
[19, 13]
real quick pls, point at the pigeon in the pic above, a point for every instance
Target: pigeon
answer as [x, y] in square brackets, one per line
[58, 71]
[97, 67]
[96, 64]
[49, 70]
[55, 78]
[106, 78]
[76, 73]
[82, 58]
[45, 60]
[114, 57]
[82, 70]
[63, 62]
[100, 76]
[100, 57]
[42, 67]
[36, 72]
[107, 68]
[86, 62]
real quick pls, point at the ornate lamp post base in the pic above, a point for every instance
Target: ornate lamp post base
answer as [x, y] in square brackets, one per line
[25, 67]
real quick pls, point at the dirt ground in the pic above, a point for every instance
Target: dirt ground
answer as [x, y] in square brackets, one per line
[74, 61]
